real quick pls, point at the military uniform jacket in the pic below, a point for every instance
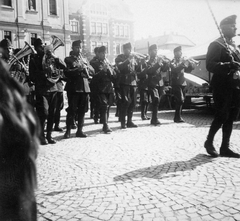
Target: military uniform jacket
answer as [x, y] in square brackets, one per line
[154, 73]
[78, 81]
[101, 80]
[127, 70]
[143, 77]
[177, 71]
[39, 77]
[218, 62]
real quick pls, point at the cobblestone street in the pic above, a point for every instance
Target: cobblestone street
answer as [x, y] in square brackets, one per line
[145, 173]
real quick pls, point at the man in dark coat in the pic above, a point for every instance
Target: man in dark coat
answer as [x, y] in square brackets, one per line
[225, 65]
[45, 88]
[103, 78]
[94, 108]
[128, 67]
[178, 66]
[154, 67]
[78, 73]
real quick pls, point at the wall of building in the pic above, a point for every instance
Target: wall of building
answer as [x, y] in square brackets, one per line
[22, 22]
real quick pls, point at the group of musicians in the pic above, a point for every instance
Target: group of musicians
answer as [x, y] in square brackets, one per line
[105, 84]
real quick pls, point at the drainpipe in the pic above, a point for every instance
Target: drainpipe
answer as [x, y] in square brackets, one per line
[42, 21]
[17, 25]
[64, 30]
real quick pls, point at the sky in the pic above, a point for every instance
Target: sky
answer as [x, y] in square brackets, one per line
[191, 18]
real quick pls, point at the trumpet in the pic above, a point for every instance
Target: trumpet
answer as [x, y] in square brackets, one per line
[187, 61]
[83, 64]
[111, 70]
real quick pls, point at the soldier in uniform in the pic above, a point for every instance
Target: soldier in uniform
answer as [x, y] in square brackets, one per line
[46, 90]
[143, 90]
[155, 66]
[94, 108]
[78, 74]
[178, 66]
[7, 50]
[128, 67]
[225, 65]
[103, 78]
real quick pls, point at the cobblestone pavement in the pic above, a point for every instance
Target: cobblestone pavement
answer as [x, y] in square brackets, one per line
[145, 173]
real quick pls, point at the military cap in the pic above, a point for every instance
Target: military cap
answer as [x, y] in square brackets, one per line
[5, 43]
[229, 20]
[153, 47]
[76, 43]
[37, 42]
[179, 48]
[96, 50]
[102, 49]
[127, 45]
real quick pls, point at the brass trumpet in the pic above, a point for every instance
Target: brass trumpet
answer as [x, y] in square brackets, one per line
[186, 61]
[111, 70]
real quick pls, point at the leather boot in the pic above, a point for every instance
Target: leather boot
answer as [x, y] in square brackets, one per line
[69, 127]
[104, 116]
[123, 114]
[50, 139]
[79, 132]
[145, 111]
[177, 117]
[130, 124]
[154, 120]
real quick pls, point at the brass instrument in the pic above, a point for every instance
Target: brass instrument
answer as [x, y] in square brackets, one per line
[52, 73]
[27, 50]
[111, 70]
[83, 64]
[187, 61]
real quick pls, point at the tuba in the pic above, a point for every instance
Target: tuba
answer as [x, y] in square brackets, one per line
[25, 51]
[19, 75]
[52, 73]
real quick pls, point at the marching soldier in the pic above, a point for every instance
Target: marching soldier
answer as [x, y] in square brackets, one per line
[127, 65]
[46, 89]
[178, 66]
[78, 72]
[7, 49]
[224, 62]
[155, 66]
[94, 108]
[103, 78]
[143, 90]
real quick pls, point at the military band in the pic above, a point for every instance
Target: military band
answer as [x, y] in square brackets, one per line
[132, 73]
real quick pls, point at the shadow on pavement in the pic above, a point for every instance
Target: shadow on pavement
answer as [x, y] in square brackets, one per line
[166, 170]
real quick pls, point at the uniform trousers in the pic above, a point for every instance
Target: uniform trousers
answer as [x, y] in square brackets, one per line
[227, 105]
[46, 108]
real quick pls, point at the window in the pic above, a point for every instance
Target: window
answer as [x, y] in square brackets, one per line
[53, 7]
[121, 30]
[118, 48]
[104, 29]
[99, 44]
[93, 45]
[32, 5]
[33, 38]
[117, 30]
[106, 45]
[99, 28]
[7, 34]
[93, 27]
[126, 33]
[74, 26]
[7, 3]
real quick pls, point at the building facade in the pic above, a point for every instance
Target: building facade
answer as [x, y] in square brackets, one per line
[26, 20]
[101, 22]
